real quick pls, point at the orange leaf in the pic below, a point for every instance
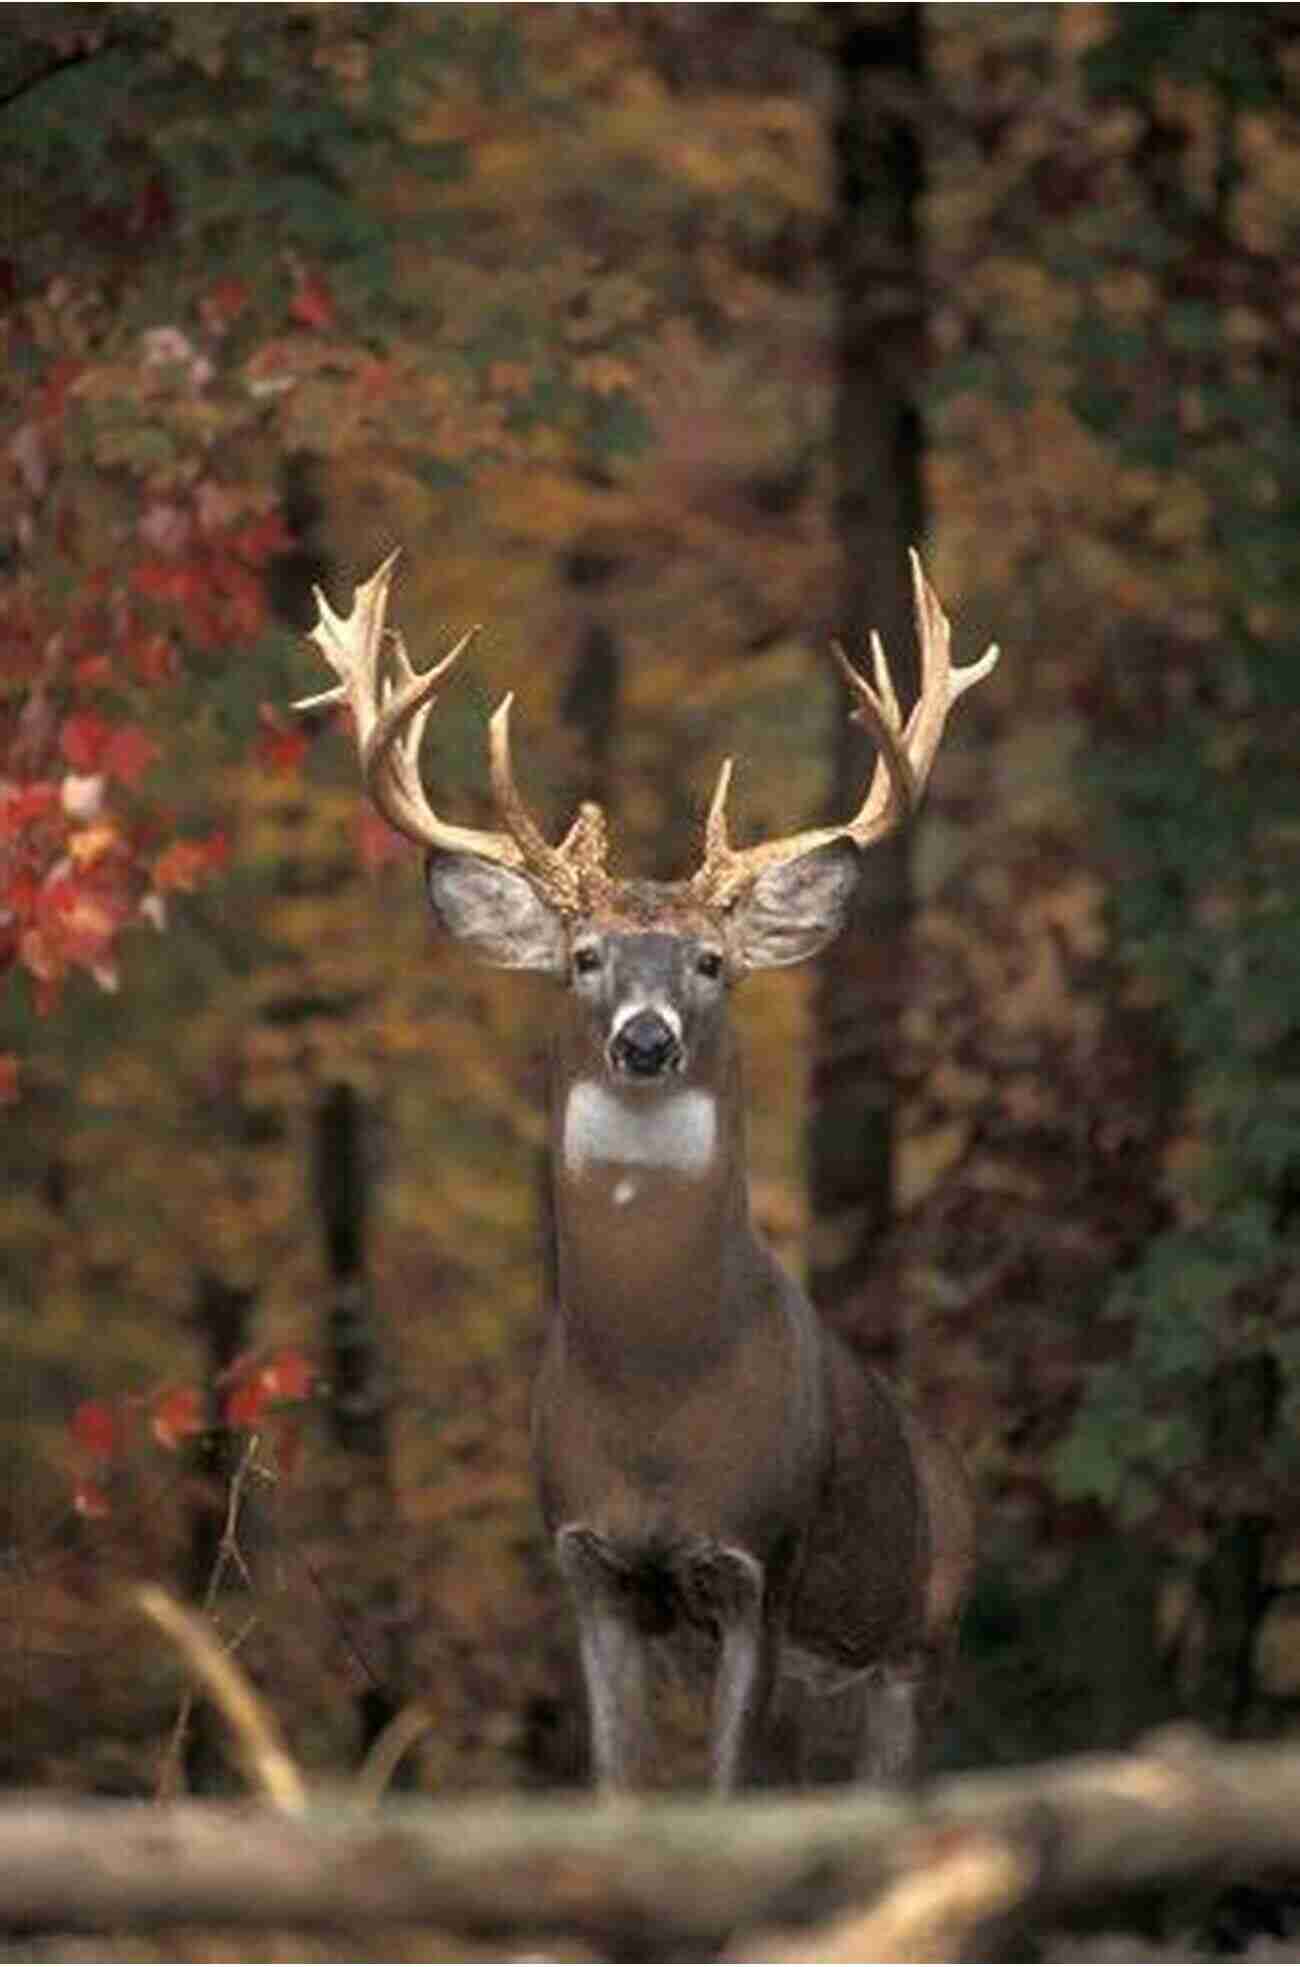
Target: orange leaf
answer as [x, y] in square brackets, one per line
[176, 1415]
[289, 1375]
[184, 864]
[90, 844]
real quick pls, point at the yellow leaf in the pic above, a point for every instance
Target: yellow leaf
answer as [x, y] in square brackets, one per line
[89, 844]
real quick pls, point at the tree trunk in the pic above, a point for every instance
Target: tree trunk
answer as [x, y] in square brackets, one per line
[360, 1412]
[876, 268]
[222, 1318]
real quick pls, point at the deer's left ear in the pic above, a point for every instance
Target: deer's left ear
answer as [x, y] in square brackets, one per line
[795, 907]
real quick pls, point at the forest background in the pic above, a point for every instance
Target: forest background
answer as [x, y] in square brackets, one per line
[654, 335]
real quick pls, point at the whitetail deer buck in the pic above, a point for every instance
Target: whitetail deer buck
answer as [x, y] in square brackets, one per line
[709, 1454]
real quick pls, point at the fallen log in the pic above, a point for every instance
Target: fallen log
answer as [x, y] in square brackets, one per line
[662, 1875]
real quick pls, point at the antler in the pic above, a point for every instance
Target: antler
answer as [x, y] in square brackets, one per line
[907, 751]
[391, 703]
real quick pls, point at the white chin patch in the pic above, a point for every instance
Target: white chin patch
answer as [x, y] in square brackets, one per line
[678, 1130]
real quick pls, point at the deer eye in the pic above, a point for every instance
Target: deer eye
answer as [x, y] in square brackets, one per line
[586, 961]
[709, 963]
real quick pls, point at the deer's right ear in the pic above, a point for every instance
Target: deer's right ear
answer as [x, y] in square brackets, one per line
[497, 913]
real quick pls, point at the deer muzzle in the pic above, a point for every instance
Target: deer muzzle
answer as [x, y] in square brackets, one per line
[645, 1046]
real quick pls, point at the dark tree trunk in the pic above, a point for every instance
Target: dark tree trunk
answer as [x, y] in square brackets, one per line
[360, 1397]
[222, 1315]
[876, 267]
[360, 1410]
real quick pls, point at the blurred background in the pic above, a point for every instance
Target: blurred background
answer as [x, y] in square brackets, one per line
[654, 336]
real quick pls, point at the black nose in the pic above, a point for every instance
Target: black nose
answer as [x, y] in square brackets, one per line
[645, 1046]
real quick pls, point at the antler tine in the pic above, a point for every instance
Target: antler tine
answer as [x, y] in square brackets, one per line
[559, 870]
[906, 752]
[391, 703]
[716, 844]
[941, 683]
[390, 712]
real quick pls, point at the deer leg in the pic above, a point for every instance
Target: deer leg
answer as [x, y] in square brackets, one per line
[612, 1652]
[726, 1587]
[890, 1733]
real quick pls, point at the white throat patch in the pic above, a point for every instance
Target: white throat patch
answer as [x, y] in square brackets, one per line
[670, 1130]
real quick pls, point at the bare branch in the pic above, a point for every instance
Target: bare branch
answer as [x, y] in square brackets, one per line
[228, 1553]
[267, 1761]
[388, 1748]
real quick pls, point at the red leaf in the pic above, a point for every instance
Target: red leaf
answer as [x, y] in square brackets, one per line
[128, 754]
[83, 740]
[154, 658]
[94, 1429]
[223, 304]
[246, 1403]
[176, 584]
[176, 1415]
[281, 747]
[24, 895]
[90, 671]
[312, 305]
[26, 803]
[10, 1092]
[258, 539]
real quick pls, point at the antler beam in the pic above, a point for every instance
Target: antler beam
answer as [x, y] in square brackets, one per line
[391, 702]
[906, 753]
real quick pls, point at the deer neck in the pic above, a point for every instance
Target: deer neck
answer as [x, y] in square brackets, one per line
[652, 1227]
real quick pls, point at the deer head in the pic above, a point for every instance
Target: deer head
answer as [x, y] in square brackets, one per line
[649, 961]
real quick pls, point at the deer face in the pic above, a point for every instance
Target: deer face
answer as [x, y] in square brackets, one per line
[649, 971]
[647, 997]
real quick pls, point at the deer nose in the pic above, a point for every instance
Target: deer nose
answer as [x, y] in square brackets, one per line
[644, 1046]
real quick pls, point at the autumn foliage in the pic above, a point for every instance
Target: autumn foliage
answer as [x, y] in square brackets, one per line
[250, 1397]
[93, 649]
[542, 295]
